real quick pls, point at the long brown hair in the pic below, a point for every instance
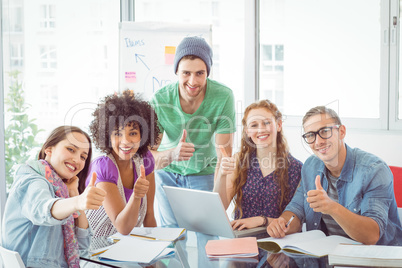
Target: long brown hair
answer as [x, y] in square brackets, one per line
[248, 147]
[59, 134]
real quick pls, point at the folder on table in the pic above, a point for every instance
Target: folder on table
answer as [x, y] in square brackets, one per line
[244, 247]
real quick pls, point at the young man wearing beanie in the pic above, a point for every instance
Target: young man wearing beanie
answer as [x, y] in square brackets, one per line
[196, 117]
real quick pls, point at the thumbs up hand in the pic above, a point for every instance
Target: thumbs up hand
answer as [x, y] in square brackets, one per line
[93, 180]
[228, 163]
[318, 183]
[183, 136]
[92, 197]
[319, 199]
[141, 186]
[184, 150]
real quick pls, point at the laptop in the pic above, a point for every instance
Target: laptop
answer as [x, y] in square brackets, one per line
[203, 212]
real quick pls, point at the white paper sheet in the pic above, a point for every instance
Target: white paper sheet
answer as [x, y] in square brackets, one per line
[132, 249]
[157, 233]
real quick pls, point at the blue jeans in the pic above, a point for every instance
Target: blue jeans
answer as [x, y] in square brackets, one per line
[203, 182]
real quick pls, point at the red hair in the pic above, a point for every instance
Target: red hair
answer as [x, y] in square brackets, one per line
[248, 147]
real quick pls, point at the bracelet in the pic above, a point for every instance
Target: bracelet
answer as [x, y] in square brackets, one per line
[265, 223]
[76, 214]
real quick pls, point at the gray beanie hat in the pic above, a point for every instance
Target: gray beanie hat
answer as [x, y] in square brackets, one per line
[196, 46]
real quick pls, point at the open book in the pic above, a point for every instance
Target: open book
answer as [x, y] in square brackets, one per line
[366, 255]
[314, 243]
[153, 233]
[245, 247]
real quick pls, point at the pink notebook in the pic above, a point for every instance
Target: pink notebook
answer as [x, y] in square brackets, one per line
[236, 247]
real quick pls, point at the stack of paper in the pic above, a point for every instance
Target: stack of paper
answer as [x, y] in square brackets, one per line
[153, 233]
[144, 244]
[366, 255]
[232, 248]
[131, 249]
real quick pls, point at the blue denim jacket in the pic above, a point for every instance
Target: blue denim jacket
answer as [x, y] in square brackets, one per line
[365, 187]
[28, 226]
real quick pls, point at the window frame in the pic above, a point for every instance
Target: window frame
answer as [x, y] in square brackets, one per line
[3, 192]
[46, 58]
[12, 25]
[19, 58]
[388, 110]
[47, 23]
[126, 13]
[251, 52]
[395, 123]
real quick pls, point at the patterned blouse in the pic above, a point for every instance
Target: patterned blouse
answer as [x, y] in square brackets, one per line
[261, 195]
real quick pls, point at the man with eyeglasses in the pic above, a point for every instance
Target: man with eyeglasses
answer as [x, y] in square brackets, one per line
[343, 191]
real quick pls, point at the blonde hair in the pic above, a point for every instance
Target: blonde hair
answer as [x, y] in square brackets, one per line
[322, 110]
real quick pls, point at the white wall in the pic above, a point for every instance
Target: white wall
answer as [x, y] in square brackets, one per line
[384, 144]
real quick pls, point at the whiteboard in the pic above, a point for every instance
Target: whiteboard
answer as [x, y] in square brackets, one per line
[146, 53]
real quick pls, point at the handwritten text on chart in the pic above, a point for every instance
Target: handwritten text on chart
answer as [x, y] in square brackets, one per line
[156, 84]
[133, 43]
[131, 77]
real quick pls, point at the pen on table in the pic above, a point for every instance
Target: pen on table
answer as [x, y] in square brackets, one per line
[143, 237]
[100, 252]
[290, 220]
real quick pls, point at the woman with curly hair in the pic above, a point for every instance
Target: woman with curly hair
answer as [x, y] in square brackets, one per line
[123, 128]
[262, 178]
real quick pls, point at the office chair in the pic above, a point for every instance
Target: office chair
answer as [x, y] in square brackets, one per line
[397, 172]
[11, 259]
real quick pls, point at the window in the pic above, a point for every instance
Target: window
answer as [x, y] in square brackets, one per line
[271, 86]
[16, 55]
[47, 16]
[53, 63]
[309, 56]
[48, 57]
[95, 16]
[100, 58]
[50, 102]
[13, 20]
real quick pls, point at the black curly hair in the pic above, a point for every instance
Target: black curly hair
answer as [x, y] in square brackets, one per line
[116, 111]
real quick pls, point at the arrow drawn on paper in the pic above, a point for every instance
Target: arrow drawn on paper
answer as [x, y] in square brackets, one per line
[137, 57]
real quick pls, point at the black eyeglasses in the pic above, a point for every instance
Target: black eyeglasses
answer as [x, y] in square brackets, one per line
[324, 133]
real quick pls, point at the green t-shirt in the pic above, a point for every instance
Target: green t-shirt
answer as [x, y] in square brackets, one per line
[216, 114]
